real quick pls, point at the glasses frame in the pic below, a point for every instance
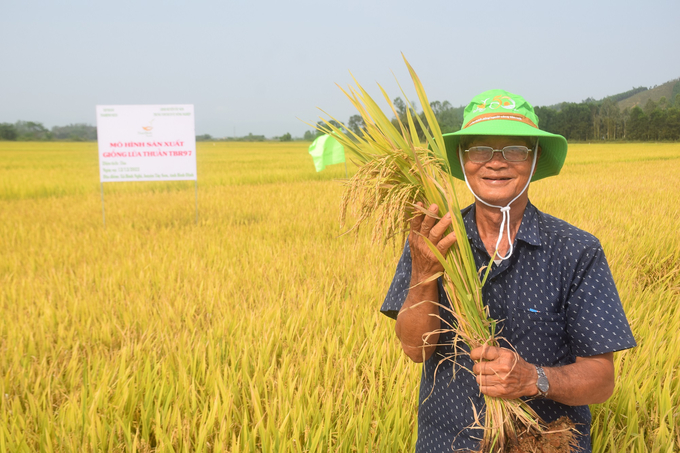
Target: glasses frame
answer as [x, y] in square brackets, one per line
[502, 151]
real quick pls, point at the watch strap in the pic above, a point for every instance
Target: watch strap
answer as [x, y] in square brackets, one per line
[542, 382]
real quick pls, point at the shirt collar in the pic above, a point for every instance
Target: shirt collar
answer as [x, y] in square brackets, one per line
[528, 229]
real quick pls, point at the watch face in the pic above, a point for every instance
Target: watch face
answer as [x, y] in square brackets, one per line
[542, 382]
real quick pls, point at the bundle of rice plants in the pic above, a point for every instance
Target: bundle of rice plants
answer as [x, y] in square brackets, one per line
[396, 170]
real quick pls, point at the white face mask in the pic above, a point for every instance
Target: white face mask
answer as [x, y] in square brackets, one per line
[505, 210]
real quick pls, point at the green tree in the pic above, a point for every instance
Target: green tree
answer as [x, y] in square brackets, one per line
[675, 94]
[30, 130]
[400, 107]
[673, 123]
[253, 138]
[309, 136]
[8, 131]
[657, 124]
[663, 103]
[575, 121]
[638, 125]
[286, 137]
[610, 114]
[356, 125]
[649, 107]
[75, 132]
[625, 118]
[547, 118]
[598, 122]
[450, 119]
[322, 125]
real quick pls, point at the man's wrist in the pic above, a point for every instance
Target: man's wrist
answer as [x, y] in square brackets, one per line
[542, 384]
[423, 281]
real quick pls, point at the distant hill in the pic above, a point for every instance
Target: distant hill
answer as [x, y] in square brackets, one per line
[636, 96]
[636, 114]
[640, 99]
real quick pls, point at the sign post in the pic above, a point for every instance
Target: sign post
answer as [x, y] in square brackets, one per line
[146, 143]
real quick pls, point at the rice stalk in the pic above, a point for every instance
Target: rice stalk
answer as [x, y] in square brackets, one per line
[397, 170]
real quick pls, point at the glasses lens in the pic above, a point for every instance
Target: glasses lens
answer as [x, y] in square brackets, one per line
[480, 153]
[515, 153]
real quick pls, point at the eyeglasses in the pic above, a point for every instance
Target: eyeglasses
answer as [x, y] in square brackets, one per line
[481, 154]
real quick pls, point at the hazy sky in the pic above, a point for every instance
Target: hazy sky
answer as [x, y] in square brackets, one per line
[257, 66]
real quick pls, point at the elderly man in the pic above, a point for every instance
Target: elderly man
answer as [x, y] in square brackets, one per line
[550, 287]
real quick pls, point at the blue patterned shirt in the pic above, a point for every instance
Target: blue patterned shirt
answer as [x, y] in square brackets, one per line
[555, 299]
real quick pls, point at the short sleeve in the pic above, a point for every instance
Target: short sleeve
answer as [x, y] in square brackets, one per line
[398, 291]
[596, 322]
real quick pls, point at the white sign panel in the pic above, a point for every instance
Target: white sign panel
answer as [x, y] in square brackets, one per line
[146, 142]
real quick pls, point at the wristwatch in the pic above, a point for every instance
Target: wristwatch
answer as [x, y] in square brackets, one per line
[542, 383]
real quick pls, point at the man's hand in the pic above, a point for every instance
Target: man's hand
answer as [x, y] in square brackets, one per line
[418, 322]
[503, 373]
[424, 263]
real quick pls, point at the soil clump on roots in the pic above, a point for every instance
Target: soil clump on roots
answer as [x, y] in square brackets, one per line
[559, 437]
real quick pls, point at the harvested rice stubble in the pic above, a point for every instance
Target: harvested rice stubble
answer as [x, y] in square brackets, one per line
[559, 437]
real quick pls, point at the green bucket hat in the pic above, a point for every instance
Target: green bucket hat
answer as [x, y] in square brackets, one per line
[497, 112]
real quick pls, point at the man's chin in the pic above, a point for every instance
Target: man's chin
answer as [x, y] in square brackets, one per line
[496, 195]
[498, 199]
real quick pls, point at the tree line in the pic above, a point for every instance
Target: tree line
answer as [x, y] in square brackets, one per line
[450, 119]
[604, 120]
[33, 131]
[589, 120]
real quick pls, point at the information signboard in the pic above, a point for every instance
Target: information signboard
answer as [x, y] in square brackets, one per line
[146, 143]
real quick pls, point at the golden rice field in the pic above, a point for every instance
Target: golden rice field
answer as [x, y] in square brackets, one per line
[257, 329]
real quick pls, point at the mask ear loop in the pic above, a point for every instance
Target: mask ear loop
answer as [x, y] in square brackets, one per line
[505, 210]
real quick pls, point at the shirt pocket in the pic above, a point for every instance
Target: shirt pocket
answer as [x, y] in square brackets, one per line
[540, 337]
[539, 316]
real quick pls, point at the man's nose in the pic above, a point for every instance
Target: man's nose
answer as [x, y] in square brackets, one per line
[497, 159]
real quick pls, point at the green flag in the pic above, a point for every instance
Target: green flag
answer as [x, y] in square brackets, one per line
[326, 150]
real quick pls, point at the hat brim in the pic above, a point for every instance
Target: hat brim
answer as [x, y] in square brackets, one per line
[553, 146]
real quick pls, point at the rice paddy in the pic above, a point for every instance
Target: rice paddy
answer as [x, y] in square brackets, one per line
[257, 327]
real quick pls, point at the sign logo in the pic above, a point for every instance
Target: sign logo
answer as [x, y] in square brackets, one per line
[504, 102]
[147, 130]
